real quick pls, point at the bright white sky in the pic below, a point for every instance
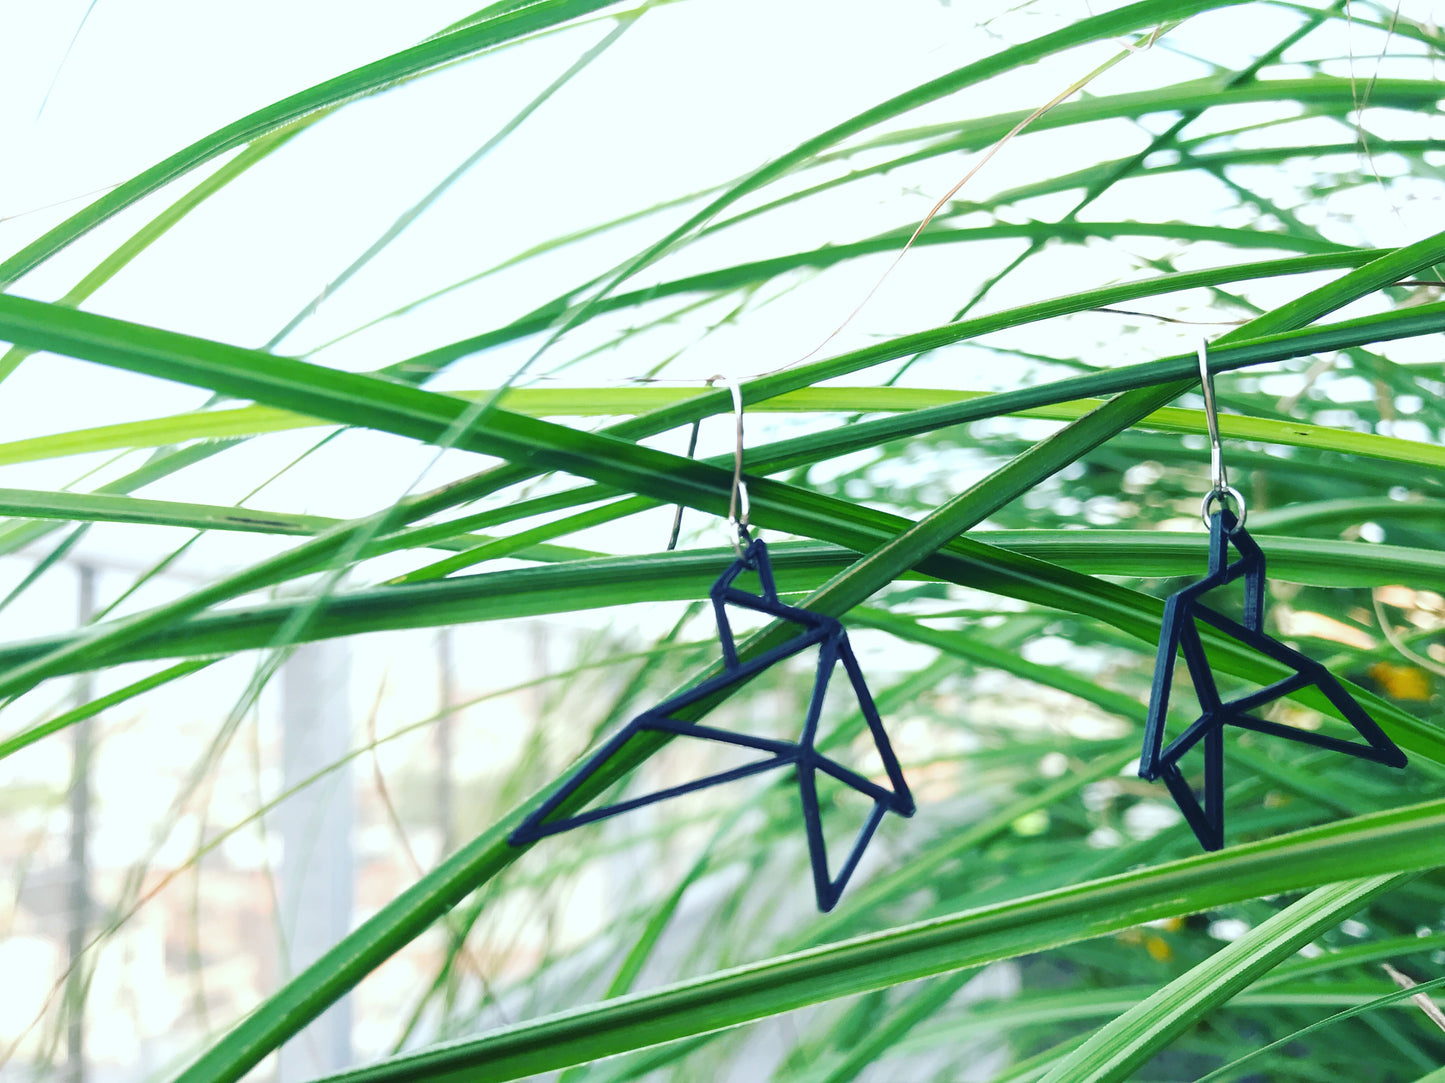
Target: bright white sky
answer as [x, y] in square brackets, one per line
[687, 98]
[674, 106]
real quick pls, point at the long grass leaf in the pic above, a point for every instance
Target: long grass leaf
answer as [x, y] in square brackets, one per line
[367, 79]
[1380, 845]
[1113, 1052]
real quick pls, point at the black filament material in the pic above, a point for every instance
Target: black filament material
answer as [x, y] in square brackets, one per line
[1180, 631]
[801, 755]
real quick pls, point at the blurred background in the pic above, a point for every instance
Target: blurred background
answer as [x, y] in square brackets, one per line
[171, 859]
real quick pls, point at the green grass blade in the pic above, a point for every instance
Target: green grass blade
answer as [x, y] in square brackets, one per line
[108, 508]
[417, 209]
[615, 401]
[1113, 1052]
[1380, 845]
[29, 736]
[157, 227]
[575, 585]
[1132, 17]
[1379, 1002]
[878, 1040]
[370, 402]
[367, 79]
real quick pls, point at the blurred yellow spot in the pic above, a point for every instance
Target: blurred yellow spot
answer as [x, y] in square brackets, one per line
[1157, 947]
[1031, 823]
[1401, 682]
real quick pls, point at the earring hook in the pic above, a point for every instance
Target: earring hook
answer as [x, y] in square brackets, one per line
[1219, 478]
[738, 507]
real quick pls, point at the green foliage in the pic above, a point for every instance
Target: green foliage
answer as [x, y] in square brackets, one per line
[1002, 520]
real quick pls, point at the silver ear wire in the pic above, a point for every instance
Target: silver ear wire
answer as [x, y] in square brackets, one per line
[738, 508]
[677, 516]
[739, 495]
[1220, 489]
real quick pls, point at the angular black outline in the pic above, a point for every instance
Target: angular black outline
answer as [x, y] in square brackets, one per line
[802, 755]
[1180, 631]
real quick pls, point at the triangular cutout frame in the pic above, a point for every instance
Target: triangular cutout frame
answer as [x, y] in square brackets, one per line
[1180, 632]
[802, 755]
[896, 797]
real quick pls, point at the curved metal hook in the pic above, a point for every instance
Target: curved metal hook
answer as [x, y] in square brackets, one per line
[738, 498]
[1220, 489]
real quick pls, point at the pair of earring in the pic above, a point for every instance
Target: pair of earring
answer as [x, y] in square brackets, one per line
[1184, 612]
[802, 756]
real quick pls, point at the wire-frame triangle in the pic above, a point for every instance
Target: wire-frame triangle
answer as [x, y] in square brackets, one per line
[833, 647]
[1180, 633]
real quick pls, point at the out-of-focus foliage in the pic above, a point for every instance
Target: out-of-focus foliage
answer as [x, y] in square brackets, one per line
[1021, 450]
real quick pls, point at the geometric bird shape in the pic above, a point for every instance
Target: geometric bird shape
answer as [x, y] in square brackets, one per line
[802, 755]
[1180, 631]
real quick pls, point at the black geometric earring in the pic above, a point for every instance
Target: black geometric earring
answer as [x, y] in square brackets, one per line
[801, 755]
[1180, 631]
